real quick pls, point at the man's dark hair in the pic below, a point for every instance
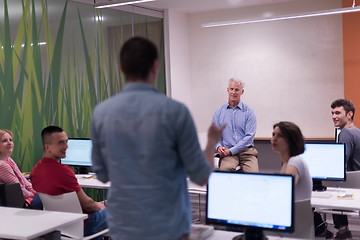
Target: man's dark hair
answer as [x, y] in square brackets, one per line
[46, 132]
[346, 104]
[137, 56]
[293, 137]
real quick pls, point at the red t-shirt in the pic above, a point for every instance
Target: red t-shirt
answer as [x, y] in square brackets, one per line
[53, 178]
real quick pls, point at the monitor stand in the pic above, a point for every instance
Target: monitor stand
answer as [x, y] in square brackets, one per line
[251, 234]
[317, 186]
[83, 170]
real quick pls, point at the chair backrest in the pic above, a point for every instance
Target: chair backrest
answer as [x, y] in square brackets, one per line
[11, 195]
[352, 181]
[304, 222]
[67, 202]
[2, 194]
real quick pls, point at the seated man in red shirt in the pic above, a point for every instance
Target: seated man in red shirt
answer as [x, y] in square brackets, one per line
[51, 177]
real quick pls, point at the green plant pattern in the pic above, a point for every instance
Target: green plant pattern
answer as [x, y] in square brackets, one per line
[47, 85]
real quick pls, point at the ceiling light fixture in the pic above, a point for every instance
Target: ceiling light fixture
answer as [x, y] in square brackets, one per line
[107, 5]
[284, 17]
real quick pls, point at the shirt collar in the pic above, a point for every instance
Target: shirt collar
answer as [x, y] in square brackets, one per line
[240, 106]
[136, 86]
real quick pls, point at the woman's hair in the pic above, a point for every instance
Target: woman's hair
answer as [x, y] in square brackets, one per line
[293, 137]
[3, 131]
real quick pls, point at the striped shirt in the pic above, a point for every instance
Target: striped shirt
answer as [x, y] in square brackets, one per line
[10, 173]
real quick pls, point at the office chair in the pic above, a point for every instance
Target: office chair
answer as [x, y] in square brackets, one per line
[11, 195]
[2, 194]
[304, 221]
[68, 202]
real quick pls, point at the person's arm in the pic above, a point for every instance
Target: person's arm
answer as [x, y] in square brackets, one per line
[8, 176]
[98, 163]
[87, 204]
[293, 171]
[346, 137]
[214, 134]
[216, 121]
[250, 131]
[198, 166]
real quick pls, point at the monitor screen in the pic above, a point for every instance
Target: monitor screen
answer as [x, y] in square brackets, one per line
[326, 161]
[78, 152]
[256, 201]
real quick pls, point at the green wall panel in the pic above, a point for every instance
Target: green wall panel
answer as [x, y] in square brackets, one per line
[58, 59]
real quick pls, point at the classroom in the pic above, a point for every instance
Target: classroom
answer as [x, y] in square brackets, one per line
[60, 58]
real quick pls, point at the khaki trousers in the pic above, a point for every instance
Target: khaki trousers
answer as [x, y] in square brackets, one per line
[247, 160]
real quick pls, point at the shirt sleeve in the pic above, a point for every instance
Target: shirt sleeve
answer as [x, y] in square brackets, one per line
[250, 131]
[7, 176]
[69, 181]
[98, 163]
[195, 162]
[346, 137]
[298, 164]
[216, 121]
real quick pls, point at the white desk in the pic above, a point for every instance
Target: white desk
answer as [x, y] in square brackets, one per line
[19, 223]
[337, 203]
[194, 188]
[224, 235]
[90, 181]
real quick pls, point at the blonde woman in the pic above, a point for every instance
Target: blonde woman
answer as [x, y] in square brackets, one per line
[10, 173]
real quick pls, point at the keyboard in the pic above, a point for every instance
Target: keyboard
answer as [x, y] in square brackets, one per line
[315, 194]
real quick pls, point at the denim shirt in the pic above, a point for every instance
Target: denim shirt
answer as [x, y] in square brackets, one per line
[146, 145]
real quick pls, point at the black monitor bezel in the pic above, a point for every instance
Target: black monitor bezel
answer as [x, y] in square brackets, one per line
[337, 132]
[331, 179]
[240, 227]
[77, 165]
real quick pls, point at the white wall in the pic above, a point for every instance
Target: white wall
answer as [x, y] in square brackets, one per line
[293, 69]
[179, 56]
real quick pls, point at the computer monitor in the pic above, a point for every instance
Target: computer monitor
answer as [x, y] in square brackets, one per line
[78, 152]
[255, 201]
[326, 161]
[337, 131]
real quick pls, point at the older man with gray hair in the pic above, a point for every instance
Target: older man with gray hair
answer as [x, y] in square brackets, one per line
[236, 147]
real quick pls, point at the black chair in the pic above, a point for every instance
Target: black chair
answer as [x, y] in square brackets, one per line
[2, 194]
[11, 195]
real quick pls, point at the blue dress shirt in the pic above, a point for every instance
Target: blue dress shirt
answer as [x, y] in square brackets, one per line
[146, 145]
[240, 129]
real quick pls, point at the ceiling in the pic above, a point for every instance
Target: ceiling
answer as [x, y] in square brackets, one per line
[195, 6]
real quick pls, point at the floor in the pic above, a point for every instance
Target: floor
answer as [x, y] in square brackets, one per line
[199, 217]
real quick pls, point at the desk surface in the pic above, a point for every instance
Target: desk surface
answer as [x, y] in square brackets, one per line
[224, 235]
[20, 223]
[335, 202]
[90, 181]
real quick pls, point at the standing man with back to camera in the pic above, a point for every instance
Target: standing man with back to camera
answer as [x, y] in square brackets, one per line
[343, 112]
[236, 147]
[146, 145]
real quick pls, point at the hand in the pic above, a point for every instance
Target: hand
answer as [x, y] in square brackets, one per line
[214, 133]
[101, 205]
[223, 151]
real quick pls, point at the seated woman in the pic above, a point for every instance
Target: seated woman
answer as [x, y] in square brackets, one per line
[289, 142]
[10, 173]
